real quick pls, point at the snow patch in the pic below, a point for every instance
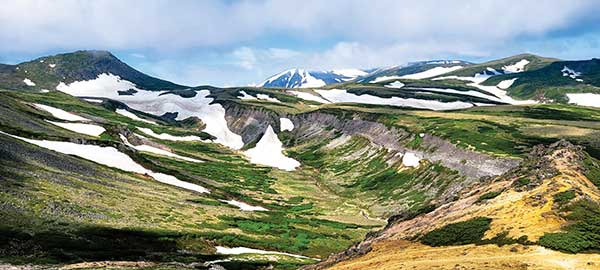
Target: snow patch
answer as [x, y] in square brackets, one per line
[267, 98]
[245, 95]
[286, 124]
[342, 96]
[395, 84]
[506, 83]
[213, 115]
[585, 99]
[169, 137]
[516, 67]
[131, 115]
[436, 71]
[309, 96]
[244, 250]
[52, 65]
[111, 157]
[410, 160]
[44, 91]
[567, 72]
[244, 206]
[269, 151]
[28, 82]
[87, 129]
[60, 114]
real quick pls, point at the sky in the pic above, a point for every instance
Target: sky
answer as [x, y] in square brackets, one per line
[232, 43]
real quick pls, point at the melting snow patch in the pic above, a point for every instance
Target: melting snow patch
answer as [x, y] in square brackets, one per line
[309, 96]
[28, 82]
[87, 129]
[567, 72]
[245, 250]
[93, 100]
[396, 84]
[151, 149]
[516, 67]
[268, 151]
[245, 95]
[341, 96]
[159, 103]
[585, 99]
[44, 91]
[286, 124]
[52, 65]
[111, 157]
[169, 137]
[267, 98]
[244, 206]
[506, 83]
[60, 114]
[131, 115]
[436, 71]
[410, 160]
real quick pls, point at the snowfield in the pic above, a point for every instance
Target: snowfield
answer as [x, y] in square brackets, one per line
[158, 151]
[111, 157]
[410, 160]
[93, 100]
[436, 71]
[585, 99]
[385, 78]
[309, 96]
[132, 116]
[351, 73]
[285, 124]
[87, 129]
[213, 115]
[342, 96]
[269, 151]
[28, 82]
[244, 250]
[60, 114]
[244, 206]
[169, 137]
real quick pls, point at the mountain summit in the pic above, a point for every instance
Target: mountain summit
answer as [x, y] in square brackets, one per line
[300, 78]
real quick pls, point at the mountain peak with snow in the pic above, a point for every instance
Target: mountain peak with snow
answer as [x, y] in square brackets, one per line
[301, 78]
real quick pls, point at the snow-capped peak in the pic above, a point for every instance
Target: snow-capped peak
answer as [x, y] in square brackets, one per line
[301, 78]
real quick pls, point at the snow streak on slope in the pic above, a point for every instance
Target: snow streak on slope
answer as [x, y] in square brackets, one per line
[87, 129]
[516, 67]
[151, 149]
[309, 96]
[111, 157]
[350, 73]
[169, 137]
[342, 96]
[28, 82]
[213, 115]
[395, 84]
[268, 151]
[246, 96]
[385, 78]
[436, 71]
[244, 206]
[244, 250]
[59, 113]
[131, 115]
[567, 72]
[585, 99]
[506, 83]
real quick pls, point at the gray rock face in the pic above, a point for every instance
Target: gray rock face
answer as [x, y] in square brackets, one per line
[251, 123]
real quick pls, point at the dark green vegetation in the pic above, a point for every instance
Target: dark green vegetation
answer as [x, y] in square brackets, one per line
[488, 196]
[582, 235]
[460, 233]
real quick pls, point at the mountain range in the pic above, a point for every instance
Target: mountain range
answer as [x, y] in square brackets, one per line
[442, 164]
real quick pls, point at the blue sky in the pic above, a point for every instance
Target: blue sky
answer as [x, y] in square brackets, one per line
[228, 43]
